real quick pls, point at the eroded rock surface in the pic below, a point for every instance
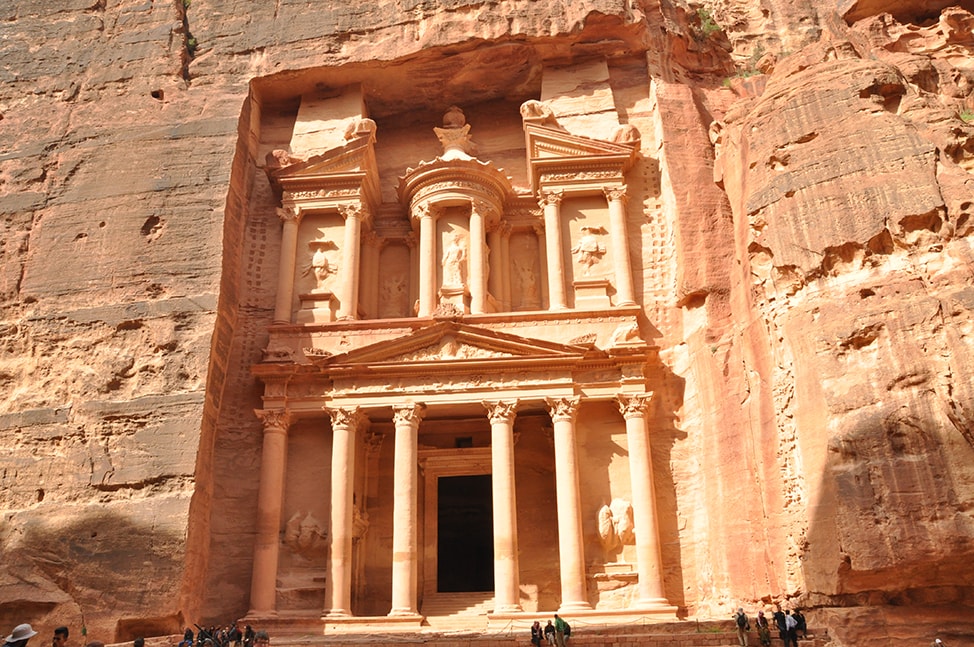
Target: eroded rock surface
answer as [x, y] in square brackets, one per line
[804, 199]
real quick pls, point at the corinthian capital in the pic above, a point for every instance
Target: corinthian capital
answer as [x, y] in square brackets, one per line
[635, 405]
[614, 193]
[408, 414]
[274, 420]
[288, 213]
[550, 197]
[352, 210]
[501, 410]
[563, 408]
[347, 417]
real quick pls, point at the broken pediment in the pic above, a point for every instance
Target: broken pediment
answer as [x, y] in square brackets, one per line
[559, 159]
[451, 341]
[345, 171]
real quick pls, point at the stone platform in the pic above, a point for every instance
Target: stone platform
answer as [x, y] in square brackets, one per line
[687, 633]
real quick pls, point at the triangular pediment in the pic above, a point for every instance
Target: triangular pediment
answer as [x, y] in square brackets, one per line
[545, 142]
[455, 342]
[355, 156]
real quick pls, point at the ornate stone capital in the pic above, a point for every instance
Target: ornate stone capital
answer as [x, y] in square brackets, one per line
[563, 408]
[615, 193]
[550, 196]
[499, 411]
[483, 208]
[408, 414]
[275, 421]
[373, 443]
[289, 213]
[635, 405]
[348, 417]
[352, 210]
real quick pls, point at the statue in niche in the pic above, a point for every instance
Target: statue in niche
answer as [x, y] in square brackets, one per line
[454, 262]
[589, 251]
[305, 535]
[394, 296]
[320, 267]
[527, 281]
[616, 527]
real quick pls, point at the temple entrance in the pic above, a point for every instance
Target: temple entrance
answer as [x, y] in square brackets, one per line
[465, 541]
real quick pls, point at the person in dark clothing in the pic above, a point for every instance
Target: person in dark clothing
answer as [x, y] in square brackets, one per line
[537, 634]
[779, 621]
[802, 627]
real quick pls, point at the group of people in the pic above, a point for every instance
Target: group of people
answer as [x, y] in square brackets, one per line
[554, 634]
[790, 625]
[229, 636]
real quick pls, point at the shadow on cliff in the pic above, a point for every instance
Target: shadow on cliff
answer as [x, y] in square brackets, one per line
[100, 571]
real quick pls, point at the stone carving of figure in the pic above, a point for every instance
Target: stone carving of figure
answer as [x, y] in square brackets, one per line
[304, 535]
[454, 261]
[616, 527]
[394, 296]
[320, 267]
[527, 280]
[589, 251]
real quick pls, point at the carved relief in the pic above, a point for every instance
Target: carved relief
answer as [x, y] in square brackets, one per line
[625, 334]
[563, 408]
[616, 527]
[589, 251]
[319, 267]
[448, 348]
[526, 275]
[500, 410]
[538, 112]
[305, 535]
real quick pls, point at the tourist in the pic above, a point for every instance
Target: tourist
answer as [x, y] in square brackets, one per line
[19, 636]
[791, 629]
[261, 639]
[743, 626]
[559, 631]
[138, 642]
[187, 638]
[568, 632]
[779, 620]
[764, 629]
[248, 636]
[549, 633]
[60, 637]
[802, 626]
[537, 634]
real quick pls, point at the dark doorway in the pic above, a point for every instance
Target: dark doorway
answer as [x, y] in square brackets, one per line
[465, 542]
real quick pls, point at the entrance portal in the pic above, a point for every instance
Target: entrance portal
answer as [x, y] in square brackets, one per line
[465, 542]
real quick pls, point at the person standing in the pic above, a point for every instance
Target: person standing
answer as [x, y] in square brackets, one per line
[791, 627]
[743, 626]
[802, 627]
[779, 621]
[60, 637]
[19, 636]
[559, 631]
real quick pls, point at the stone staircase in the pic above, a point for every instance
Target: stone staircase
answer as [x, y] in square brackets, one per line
[457, 611]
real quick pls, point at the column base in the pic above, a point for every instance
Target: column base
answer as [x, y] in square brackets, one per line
[508, 608]
[336, 613]
[653, 603]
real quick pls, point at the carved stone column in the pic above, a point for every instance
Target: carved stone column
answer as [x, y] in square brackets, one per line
[344, 424]
[291, 217]
[506, 576]
[551, 203]
[625, 294]
[570, 539]
[634, 409]
[427, 260]
[348, 301]
[270, 496]
[404, 513]
[478, 257]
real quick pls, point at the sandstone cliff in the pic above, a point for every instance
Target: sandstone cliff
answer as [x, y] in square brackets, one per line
[807, 203]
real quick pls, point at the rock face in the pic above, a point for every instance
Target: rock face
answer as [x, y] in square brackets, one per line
[800, 234]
